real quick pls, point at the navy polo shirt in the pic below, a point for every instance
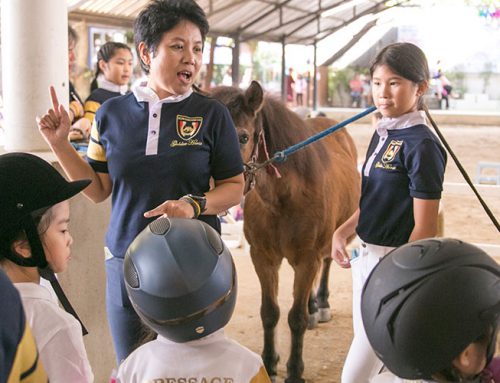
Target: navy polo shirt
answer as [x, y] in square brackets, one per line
[13, 323]
[155, 150]
[409, 164]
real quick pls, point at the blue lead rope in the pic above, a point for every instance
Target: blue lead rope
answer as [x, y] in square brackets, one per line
[282, 155]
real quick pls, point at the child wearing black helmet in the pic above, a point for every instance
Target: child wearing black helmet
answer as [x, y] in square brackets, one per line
[35, 242]
[431, 310]
[181, 280]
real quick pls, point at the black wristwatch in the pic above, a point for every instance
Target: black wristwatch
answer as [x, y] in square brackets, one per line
[197, 202]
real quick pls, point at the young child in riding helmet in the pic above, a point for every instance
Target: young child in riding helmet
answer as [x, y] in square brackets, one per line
[34, 243]
[181, 280]
[431, 310]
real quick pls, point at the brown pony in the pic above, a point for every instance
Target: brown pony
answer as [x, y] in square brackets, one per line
[293, 209]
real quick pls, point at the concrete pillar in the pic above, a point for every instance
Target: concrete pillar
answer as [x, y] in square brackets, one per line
[34, 56]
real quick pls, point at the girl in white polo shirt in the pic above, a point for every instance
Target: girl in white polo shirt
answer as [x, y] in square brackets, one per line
[35, 242]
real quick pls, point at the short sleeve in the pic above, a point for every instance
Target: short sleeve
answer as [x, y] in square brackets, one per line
[426, 163]
[96, 153]
[226, 159]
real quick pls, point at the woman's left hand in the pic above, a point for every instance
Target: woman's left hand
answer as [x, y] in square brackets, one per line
[172, 209]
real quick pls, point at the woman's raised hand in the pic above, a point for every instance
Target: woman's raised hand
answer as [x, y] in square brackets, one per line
[55, 124]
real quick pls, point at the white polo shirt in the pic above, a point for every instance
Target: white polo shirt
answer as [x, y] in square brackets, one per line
[58, 336]
[211, 359]
[389, 377]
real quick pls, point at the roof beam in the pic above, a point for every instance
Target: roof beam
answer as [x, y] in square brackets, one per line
[103, 19]
[377, 8]
[233, 4]
[272, 29]
[264, 15]
[350, 44]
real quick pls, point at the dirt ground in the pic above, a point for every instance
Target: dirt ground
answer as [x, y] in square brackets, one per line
[325, 347]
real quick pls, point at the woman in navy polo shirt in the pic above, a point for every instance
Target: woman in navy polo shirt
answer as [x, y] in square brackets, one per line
[154, 150]
[402, 181]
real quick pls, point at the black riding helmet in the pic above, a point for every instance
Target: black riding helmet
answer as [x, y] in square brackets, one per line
[28, 187]
[426, 301]
[180, 278]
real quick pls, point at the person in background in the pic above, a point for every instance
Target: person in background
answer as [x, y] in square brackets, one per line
[366, 94]
[431, 310]
[300, 89]
[155, 150]
[199, 299]
[356, 87]
[290, 86]
[445, 87]
[402, 181]
[19, 361]
[112, 75]
[80, 127]
[35, 242]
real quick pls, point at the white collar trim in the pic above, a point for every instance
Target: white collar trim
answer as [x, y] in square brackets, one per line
[144, 93]
[111, 86]
[402, 122]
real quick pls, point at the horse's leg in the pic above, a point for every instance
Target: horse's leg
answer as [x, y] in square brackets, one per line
[312, 308]
[323, 291]
[297, 318]
[267, 271]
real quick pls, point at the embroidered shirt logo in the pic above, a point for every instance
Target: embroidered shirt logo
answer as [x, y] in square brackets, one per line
[188, 127]
[391, 151]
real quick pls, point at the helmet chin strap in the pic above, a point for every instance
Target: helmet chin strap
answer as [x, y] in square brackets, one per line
[39, 260]
[48, 274]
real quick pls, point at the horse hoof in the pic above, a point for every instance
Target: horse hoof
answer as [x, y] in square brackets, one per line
[325, 315]
[312, 321]
[295, 380]
[274, 378]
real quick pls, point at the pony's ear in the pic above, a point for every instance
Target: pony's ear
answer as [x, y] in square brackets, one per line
[254, 97]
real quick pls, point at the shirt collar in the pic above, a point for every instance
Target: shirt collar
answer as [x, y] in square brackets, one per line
[144, 93]
[214, 337]
[111, 86]
[402, 122]
[33, 290]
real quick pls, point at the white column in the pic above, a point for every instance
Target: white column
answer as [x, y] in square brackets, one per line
[34, 56]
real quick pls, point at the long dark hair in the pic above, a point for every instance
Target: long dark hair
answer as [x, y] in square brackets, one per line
[105, 54]
[407, 60]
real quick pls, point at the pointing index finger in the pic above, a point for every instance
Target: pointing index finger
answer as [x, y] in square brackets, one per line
[55, 101]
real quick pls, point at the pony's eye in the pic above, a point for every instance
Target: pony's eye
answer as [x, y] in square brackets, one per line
[244, 139]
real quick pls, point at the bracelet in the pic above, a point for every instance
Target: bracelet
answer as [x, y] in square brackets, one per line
[194, 204]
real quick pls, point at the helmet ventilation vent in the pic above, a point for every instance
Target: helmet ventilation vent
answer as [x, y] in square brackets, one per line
[130, 273]
[215, 241]
[160, 226]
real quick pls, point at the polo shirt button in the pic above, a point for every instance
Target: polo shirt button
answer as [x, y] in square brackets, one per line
[155, 115]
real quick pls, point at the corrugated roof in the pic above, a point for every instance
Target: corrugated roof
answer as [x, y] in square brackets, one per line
[291, 21]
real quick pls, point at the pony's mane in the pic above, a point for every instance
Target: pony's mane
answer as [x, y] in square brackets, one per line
[285, 128]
